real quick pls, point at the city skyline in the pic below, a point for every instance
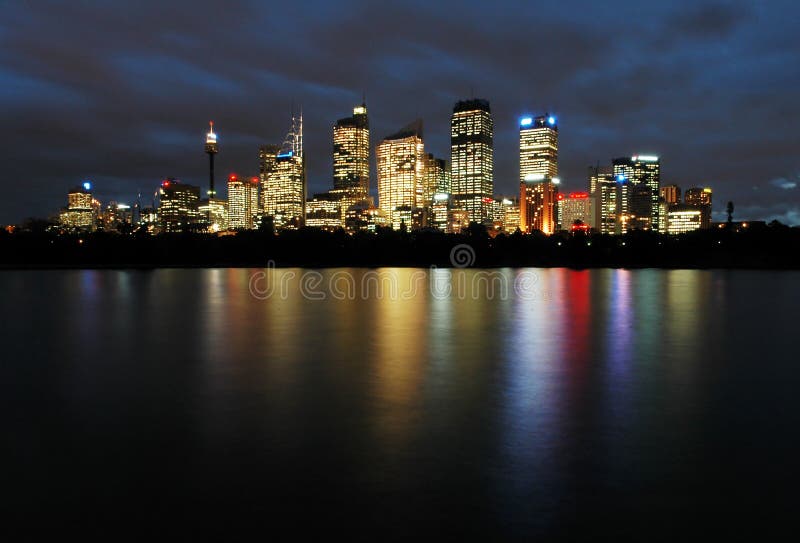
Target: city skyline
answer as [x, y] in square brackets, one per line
[71, 116]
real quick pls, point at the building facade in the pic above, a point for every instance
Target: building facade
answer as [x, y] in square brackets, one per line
[575, 208]
[472, 158]
[401, 169]
[242, 202]
[80, 211]
[682, 218]
[642, 170]
[538, 147]
[351, 152]
[538, 209]
[178, 206]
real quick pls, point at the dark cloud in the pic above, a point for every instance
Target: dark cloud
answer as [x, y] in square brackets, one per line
[122, 92]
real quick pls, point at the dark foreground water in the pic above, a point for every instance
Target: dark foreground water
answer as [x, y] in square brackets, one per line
[587, 403]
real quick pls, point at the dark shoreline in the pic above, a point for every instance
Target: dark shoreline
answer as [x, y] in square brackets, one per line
[769, 248]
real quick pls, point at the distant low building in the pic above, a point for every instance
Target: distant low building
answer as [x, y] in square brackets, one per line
[682, 218]
[575, 207]
[324, 213]
[80, 213]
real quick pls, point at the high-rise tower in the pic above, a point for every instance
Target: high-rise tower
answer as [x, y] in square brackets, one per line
[641, 170]
[471, 158]
[351, 152]
[538, 147]
[211, 150]
[284, 179]
[401, 168]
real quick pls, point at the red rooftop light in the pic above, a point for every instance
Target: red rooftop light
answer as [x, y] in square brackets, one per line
[578, 194]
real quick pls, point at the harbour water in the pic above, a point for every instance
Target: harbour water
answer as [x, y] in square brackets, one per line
[540, 402]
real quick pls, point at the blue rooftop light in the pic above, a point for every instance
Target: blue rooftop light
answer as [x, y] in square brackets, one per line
[551, 120]
[621, 178]
[87, 185]
[284, 155]
[525, 121]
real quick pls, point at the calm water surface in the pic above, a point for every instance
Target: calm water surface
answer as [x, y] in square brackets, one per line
[608, 401]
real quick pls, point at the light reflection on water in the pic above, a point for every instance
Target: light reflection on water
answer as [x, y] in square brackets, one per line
[604, 393]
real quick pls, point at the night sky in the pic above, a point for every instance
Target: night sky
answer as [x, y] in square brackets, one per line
[122, 93]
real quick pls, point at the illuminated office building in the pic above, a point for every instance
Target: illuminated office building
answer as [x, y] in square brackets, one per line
[698, 196]
[471, 158]
[214, 212]
[635, 206]
[364, 217]
[642, 170]
[606, 198]
[115, 217]
[671, 194]
[510, 214]
[178, 206]
[682, 218]
[324, 213]
[599, 173]
[267, 158]
[574, 207]
[401, 170]
[351, 152]
[604, 192]
[457, 221]
[284, 180]
[242, 202]
[538, 147]
[79, 213]
[538, 204]
[701, 199]
[435, 179]
[439, 210]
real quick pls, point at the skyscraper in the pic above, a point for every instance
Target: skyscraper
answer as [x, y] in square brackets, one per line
[573, 207]
[538, 147]
[671, 194]
[401, 167]
[471, 158]
[436, 178]
[642, 170]
[284, 180]
[79, 213]
[177, 210]
[606, 201]
[267, 158]
[635, 206]
[351, 152]
[538, 204]
[242, 202]
[700, 198]
[697, 196]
